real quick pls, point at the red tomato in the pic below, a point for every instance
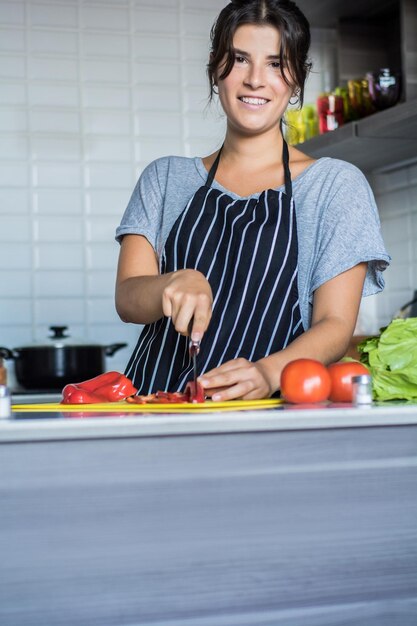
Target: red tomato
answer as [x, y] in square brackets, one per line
[341, 374]
[305, 380]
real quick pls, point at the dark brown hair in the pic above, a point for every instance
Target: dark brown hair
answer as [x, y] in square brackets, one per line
[285, 16]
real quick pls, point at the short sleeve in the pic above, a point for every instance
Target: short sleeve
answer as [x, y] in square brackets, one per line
[143, 212]
[349, 232]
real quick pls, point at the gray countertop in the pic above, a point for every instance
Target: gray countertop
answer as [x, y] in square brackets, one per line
[24, 427]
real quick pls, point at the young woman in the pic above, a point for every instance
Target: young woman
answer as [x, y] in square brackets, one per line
[257, 251]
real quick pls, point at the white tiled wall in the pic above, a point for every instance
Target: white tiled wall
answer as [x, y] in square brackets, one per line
[91, 91]
[396, 196]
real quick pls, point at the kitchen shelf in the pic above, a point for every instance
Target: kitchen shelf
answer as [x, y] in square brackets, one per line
[377, 141]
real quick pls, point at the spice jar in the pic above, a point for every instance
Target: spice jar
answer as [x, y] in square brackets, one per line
[3, 373]
[362, 390]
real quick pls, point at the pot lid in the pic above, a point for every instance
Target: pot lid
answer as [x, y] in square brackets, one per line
[59, 338]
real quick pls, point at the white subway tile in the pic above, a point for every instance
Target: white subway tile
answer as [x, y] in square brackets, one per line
[201, 147]
[59, 311]
[57, 175]
[107, 148]
[108, 202]
[49, 68]
[106, 123]
[150, 149]
[53, 121]
[56, 42]
[12, 13]
[195, 100]
[55, 148]
[57, 284]
[215, 5]
[13, 121]
[198, 22]
[156, 98]
[97, 44]
[102, 256]
[118, 332]
[196, 49]
[105, 71]
[59, 256]
[61, 15]
[17, 309]
[15, 228]
[101, 284]
[15, 283]
[14, 336]
[101, 229]
[56, 229]
[54, 202]
[107, 18]
[13, 147]
[166, 124]
[156, 47]
[101, 310]
[396, 230]
[156, 3]
[399, 275]
[12, 67]
[159, 72]
[204, 125]
[149, 20]
[16, 256]
[14, 201]
[108, 176]
[12, 93]
[393, 203]
[195, 75]
[106, 96]
[53, 94]
[12, 40]
[14, 174]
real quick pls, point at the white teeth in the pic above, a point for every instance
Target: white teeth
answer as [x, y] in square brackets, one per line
[254, 100]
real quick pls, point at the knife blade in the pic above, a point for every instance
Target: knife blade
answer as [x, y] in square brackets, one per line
[194, 349]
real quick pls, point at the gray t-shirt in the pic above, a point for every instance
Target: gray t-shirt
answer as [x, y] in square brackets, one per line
[337, 219]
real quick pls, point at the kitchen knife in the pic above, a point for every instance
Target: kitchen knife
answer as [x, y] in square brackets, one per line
[194, 349]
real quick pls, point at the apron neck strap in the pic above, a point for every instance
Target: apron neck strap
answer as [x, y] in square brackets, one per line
[213, 169]
[285, 162]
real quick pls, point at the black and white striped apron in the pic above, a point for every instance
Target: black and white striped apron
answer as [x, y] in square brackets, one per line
[247, 248]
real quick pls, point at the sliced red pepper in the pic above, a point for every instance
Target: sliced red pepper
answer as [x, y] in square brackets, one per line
[160, 397]
[108, 387]
[195, 392]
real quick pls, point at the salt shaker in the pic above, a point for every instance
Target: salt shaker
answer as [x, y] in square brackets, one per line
[5, 402]
[362, 390]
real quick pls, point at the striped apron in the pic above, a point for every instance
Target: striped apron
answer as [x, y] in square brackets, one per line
[247, 249]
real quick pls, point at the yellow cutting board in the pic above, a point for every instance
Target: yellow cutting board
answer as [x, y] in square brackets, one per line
[127, 407]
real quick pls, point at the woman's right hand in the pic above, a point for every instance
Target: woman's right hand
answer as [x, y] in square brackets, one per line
[187, 299]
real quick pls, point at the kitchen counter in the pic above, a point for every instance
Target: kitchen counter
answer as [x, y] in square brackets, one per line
[26, 426]
[281, 517]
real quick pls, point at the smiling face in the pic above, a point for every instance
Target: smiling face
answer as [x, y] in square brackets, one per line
[254, 95]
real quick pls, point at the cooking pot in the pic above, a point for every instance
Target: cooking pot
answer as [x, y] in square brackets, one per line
[53, 365]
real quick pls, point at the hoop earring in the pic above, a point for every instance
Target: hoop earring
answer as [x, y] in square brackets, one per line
[297, 99]
[215, 90]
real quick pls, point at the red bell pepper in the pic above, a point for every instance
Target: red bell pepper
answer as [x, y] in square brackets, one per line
[195, 392]
[107, 387]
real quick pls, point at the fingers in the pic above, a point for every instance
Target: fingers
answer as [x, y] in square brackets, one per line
[188, 299]
[237, 379]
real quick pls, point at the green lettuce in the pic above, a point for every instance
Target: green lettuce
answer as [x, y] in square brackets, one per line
[392, 360]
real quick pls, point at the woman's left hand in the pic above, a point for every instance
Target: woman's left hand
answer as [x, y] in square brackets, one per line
[237, 379]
